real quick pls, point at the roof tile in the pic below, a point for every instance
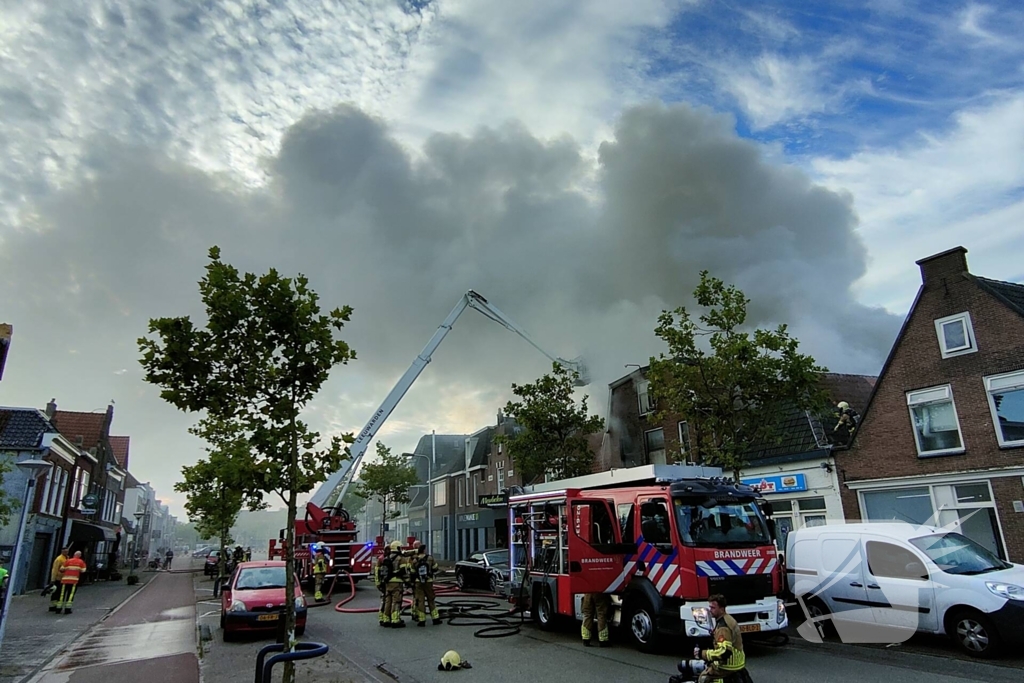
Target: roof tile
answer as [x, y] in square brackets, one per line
[23, 427]
[72, 425]
[119, 444]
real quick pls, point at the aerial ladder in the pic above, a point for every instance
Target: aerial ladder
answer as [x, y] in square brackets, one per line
[326, 521]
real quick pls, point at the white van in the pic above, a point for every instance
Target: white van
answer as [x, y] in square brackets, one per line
[883, 582]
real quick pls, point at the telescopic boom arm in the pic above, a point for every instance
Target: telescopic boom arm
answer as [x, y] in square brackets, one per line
[324, 495]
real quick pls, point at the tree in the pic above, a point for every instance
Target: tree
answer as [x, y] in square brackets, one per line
[734, 397]
[388, 480]
[553, 438]
[217, 489]
[264, 354]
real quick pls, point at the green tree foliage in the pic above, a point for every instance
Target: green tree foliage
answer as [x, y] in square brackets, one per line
[388, 480]
[735, 396]
[262, 357]
[7, 502]
[217, 489]
[554, 429]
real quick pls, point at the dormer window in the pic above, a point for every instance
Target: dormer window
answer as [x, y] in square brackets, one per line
[956, 335]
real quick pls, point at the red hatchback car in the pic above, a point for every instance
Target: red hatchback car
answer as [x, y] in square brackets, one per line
[254, 599]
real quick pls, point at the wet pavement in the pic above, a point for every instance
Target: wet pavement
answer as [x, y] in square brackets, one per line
[151, 636]
[34, 634]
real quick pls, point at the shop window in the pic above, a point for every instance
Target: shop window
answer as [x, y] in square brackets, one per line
[911, 505]
[972, 493]
[1006, 401]
[956, 335]
[936, 425]
[654, 444]
[811, 504]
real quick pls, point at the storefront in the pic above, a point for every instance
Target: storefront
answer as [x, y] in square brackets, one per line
[802, 498]
[963, 503]
[497, 537]
[474, 532]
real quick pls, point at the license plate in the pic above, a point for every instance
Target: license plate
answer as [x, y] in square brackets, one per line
[267, 617]
[747, 628]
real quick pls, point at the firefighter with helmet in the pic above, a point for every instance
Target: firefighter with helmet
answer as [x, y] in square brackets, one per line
[424, 568]
[319, 572]
[394, 578]
[383, 618]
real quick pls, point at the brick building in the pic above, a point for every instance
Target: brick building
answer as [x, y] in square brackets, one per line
[942, 438]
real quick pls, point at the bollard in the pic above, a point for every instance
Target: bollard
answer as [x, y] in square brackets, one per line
[265, 668]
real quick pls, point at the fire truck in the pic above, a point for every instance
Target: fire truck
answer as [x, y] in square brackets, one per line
[659, 539]
[326, 521]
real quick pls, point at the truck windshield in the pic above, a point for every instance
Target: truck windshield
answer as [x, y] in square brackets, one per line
[957, 554]
[732, 525]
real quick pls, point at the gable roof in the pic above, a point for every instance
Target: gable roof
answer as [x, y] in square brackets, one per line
[73, 424]
[119, 444]
[1010, 293]
[797, 430]
[23, 428]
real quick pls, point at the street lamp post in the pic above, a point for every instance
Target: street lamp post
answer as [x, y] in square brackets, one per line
[33, 468]
[135, 544]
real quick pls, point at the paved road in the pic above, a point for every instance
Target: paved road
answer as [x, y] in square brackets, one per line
[364, 651]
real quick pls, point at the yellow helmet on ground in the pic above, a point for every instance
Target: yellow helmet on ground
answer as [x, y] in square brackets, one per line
[452, 661]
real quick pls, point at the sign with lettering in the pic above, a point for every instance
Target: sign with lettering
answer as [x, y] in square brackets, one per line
[496, 500]
[469, 517]
[778, 483]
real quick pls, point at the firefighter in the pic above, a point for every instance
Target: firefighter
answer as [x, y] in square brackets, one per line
[725, 662]
[319, 572]
[395, 574]
[69, 575]
[424, 570]
[599, 604]
[379, 581]
[55, 573]
[248, 553]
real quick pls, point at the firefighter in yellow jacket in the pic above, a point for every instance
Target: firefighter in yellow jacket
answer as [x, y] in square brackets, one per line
[319, 572]
[383, 618]
[394, 577]
[424, 568]
[55, 573]
[725, 661]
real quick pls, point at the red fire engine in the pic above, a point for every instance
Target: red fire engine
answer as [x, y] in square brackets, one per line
[660, 539]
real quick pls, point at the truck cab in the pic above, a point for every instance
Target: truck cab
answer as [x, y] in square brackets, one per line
[659, 540]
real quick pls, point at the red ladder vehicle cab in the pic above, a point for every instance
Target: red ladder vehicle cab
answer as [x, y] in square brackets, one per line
[659, 539]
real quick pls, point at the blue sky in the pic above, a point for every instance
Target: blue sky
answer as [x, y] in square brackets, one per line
[575, 161]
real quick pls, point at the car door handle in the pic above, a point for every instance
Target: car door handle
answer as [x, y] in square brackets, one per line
[857, 585]
[871, 585]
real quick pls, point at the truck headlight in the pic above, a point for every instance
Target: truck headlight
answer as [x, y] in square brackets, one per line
[1006, 590]
[237, 606]
[780, 615]
[700, 615]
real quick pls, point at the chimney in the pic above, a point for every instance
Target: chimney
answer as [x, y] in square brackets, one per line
[51, 408]
[948, 264]
[108, 419]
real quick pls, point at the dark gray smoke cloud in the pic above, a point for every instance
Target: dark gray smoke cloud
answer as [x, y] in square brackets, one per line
[583, 257]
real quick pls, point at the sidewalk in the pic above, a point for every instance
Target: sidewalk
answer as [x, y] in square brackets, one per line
[34, 634]
[151, 637]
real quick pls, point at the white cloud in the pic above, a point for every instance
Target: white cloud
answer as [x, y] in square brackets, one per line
[964, 186]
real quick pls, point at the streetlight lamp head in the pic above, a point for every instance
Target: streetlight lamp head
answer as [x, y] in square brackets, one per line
[34, 467]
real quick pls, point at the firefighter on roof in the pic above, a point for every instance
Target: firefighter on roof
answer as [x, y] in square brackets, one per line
[319, 572]
[424, 570]
[599, 604]
[394, 578]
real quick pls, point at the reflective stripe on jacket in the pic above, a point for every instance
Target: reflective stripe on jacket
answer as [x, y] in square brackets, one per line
[72, 569]
[320, 566]
[727, 654]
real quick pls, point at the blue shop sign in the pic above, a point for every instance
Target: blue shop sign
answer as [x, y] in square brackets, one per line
[780, 483]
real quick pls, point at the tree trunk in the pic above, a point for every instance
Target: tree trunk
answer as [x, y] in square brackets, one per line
[289, 613]
[221, 560]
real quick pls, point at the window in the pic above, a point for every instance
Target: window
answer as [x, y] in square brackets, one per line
[44, 500]
[1006, 400]
[626, 522]
[654, 443]
[972, 493]
[887, 560]
[935, 422]
[643, 392]
[440, 493]
[59, 509]
[501, 480]
[956, 336]
[462, 492]
[654, 524]
[601, 529]
[684, 439]
[913, 506]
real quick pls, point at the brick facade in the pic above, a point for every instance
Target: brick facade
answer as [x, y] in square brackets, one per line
[885, 447]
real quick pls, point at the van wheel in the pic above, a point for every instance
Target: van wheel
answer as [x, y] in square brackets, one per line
[544, 613]
[973, 633]
[641, 621]
[819, 611]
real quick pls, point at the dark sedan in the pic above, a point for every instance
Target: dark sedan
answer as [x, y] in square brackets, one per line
[483, 570]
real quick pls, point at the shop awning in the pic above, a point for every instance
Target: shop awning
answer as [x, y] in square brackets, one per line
[86, 532]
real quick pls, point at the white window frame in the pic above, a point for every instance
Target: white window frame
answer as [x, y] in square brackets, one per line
[59, 508]
[501, 480]
[643, 397]
[937, 397]
[972, 344]
[462, 492]
[440, 493]
[1003, 382]
[682, 448]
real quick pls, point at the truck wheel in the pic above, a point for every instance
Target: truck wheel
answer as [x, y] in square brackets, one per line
[544, 611]
[974, 633]
[641, 621]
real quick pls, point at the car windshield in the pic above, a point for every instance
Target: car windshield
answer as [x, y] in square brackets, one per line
[260, 577]
[957, 554]
[499, 557]
[733, 525]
